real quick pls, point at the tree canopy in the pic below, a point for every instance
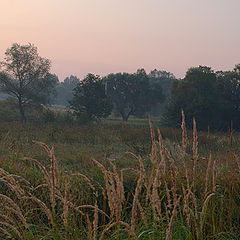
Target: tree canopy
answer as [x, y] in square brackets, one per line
[89, 99]
[213, 98]
[25, 76]
[197, 95]
[132, 94]
[228, 83]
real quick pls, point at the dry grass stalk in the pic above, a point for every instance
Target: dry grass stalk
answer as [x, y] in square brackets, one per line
[207, 174]
[156, 203]
[11, 187]
[184, 136]
[196, 228]
[6, 233]
[148, 181]
[167, 212]
[7, 143]
[128, 229]
[162, 162]
[142, 213]
[95, 221]
[214, 176]
[73, 206]
[115, 196]
[186, 208]
[186, 175]
[39, 186]
[195, 149]
[170, 224]
[7, 218]
[50, 183]
[53, 168]
[174, 188]
[153, 156]
[86, 179]
[195, 140]
[194, 200]
[9, 180]
[13, 228]
[53, 179]
[140, 163]
[204, 208]
[6, 138]
[94, 208]
[238, 162]
[65, 204]
[119, 183]
[194, 211]
[148, 185]
[89, 227]
[154, 180]
[172, 162]
[136, 195]
[168, 194]
[184, 147]
[127, 169]
[41, 167]
[110, 197]
[43, 207]
[15, 209]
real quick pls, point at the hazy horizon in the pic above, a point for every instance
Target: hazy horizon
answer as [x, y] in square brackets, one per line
[82, 36]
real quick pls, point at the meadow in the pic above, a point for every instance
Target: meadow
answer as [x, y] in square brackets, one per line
[114, 180]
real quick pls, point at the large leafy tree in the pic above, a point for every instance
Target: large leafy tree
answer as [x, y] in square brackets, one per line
[228, 83]
[197, 94]
[25, 76]
[89, 99]
[132, 94]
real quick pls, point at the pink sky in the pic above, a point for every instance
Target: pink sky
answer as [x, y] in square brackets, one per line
[104, 36]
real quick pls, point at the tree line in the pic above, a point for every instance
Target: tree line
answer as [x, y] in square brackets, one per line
[213, 98]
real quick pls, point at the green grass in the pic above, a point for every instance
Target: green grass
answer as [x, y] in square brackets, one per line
[108, 141]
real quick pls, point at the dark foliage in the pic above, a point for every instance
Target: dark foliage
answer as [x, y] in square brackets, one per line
[132, 94]
[197, 95]
[25, 76]
[212, 98]
[90, 101]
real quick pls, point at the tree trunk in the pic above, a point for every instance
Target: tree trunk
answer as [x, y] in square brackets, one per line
[21, 110]
[125, 115]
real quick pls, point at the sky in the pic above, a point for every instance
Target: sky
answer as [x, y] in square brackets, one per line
[109, 36]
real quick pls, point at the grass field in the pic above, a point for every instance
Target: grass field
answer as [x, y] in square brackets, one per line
[113, 180]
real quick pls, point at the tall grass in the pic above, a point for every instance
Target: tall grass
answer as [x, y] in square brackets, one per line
[171, 193]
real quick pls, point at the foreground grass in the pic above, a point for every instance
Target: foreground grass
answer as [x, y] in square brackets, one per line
[170, 185]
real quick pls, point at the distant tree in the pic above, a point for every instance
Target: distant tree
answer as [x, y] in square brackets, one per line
[132, 94]
[158, 74]
[228, 83]
[161, 80]
[65, 90]
[25, 76]
[89, 99]
[71, 82]
[197, 94]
